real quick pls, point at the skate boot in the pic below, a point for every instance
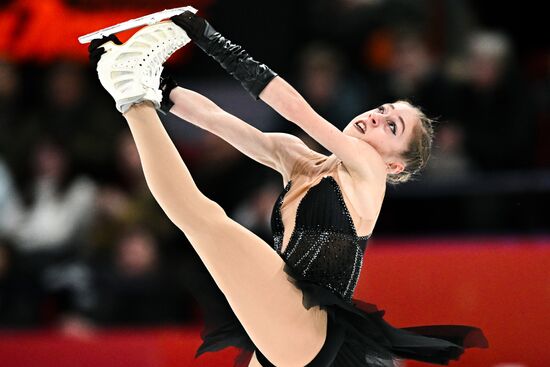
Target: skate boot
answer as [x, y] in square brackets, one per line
[131, 72]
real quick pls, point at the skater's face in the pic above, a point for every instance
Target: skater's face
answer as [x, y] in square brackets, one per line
[388, 128]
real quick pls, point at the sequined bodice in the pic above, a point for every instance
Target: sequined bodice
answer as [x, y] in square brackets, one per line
[324, 247]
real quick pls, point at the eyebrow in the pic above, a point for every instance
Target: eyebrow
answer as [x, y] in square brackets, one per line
[400, 119]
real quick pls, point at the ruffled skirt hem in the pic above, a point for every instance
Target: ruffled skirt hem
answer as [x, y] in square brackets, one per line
[361, 335]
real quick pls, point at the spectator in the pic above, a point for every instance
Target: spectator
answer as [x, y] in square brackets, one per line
[255, 212]
[448, 161]
[17, 307]
[60, 204]
[326, 85]
[416, 76]
[71, 110]
[11, 128]
[137, 289]
[542, 102]
[11, 209]
[126, 202]
[494, 107]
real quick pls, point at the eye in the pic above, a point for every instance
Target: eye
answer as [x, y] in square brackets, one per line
[381, 109]
[393, 127]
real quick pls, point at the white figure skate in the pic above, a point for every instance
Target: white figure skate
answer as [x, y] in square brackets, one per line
[131, 72]
[134, 23]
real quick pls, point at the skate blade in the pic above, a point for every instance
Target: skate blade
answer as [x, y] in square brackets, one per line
[134, 23]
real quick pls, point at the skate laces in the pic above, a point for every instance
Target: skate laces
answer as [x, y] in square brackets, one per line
[131, 72]
[156, 56]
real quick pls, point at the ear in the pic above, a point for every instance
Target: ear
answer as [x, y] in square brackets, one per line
[395, 167]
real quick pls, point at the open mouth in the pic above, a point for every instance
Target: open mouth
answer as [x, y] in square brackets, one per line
[360, 125]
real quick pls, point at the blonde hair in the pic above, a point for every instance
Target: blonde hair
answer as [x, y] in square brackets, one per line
[418, 152]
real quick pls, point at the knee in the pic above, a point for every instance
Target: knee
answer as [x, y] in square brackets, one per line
[212, 214]
[199, 215]
[207, 208]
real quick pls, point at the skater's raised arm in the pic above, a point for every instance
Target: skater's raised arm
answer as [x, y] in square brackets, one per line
[275, 150]
[362, 160]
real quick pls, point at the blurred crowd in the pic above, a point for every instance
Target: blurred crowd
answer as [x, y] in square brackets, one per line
[83, 243]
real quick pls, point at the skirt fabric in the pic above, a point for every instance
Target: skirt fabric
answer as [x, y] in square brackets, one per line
[357, 334]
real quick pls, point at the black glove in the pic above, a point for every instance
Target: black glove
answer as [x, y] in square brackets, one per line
[166, 86]
[95, 50]
[253, 75]
[194, 26]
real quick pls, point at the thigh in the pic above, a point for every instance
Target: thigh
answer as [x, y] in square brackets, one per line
[251, 276]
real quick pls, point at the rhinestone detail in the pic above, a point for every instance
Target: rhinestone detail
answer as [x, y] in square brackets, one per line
[328, 253]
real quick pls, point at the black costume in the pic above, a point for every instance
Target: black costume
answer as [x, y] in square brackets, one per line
[323, 259]
[324, 255]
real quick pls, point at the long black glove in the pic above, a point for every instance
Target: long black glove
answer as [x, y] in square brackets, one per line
[253, 75]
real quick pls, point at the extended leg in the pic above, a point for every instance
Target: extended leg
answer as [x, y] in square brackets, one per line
[246, 269]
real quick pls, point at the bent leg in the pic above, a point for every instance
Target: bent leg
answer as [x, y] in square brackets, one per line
[246, 269]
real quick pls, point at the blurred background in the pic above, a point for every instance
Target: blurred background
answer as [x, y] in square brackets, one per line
[93, 273]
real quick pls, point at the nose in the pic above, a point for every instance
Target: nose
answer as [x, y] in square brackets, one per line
[374, 120]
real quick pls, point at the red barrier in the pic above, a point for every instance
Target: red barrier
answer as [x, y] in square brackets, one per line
[501, 286]
[124, 348]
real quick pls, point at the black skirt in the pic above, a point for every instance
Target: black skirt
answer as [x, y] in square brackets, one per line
[357, 334]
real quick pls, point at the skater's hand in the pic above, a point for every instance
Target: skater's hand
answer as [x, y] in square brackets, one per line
[95, 50]
[253, 75]
[192, 24]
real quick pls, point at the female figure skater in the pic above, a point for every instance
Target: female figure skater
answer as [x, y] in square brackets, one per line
[291, 301]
